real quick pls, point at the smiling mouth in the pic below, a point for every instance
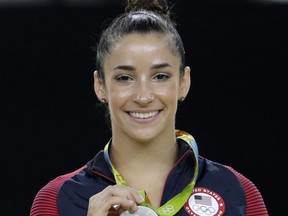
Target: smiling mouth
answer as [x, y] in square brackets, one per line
[143, 115]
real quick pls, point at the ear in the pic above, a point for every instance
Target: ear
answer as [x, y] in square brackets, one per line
[99, 86]
[185, 83]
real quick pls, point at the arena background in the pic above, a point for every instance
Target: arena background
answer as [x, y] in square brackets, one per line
[236, 109]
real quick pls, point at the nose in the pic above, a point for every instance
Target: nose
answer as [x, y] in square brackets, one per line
[143, 92]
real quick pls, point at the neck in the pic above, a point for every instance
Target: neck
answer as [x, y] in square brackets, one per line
[145, 166]
[133, 155]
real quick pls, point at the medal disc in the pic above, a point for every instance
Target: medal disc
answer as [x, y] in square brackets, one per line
[142, 211]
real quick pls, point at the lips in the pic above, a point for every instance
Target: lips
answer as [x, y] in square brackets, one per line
[145, 115]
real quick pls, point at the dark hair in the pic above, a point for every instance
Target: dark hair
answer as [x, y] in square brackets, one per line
[141, 16]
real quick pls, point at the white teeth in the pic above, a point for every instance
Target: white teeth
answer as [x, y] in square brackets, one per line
[143, 115]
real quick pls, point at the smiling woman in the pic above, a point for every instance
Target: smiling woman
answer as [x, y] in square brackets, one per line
[142, 86]
[148, 167]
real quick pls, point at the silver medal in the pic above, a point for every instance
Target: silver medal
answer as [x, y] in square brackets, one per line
[142, 211]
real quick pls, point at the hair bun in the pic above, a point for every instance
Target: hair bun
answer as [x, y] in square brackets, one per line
[159, 6]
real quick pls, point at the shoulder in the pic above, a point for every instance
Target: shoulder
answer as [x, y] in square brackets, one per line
[225, 172]
[45, 201]
[254, 200]
[217, 169]
[228, 176]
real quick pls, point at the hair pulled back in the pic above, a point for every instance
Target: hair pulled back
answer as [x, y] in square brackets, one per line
[140, 16]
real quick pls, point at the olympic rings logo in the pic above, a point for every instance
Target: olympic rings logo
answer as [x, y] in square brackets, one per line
[167, 210]
[203, 209]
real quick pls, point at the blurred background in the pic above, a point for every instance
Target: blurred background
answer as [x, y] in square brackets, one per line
[236, 109]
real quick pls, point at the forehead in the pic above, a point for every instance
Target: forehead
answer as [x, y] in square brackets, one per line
[146, 46]
[139, 38]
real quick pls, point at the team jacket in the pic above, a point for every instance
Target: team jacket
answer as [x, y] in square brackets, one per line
[219, 190]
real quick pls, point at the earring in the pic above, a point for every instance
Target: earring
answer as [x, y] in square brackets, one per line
[182, 99]
[103, 100]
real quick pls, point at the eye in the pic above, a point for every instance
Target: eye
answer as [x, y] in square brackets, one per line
[161, 76]
[123, 78]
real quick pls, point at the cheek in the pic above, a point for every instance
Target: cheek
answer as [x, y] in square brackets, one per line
[118, 96]
[170, 92]
[169, 96]
[120, 92]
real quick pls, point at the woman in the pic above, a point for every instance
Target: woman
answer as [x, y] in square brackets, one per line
[148, 167]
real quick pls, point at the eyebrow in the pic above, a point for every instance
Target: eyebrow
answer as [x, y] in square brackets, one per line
[158, 66]
[131, 68]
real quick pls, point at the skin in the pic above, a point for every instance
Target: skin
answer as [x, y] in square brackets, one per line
[142, 87]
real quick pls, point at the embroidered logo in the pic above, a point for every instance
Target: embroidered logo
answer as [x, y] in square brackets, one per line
[204, 202]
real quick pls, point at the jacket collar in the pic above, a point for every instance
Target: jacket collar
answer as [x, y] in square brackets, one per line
[183, 169]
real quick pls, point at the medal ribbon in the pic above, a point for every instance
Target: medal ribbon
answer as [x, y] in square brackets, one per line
[172, 206]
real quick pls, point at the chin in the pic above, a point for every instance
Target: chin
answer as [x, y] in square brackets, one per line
[145, 135]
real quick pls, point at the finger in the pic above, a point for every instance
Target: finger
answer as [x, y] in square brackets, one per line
[123, 204]
[114, 195]
[126, 197]
[124, 191]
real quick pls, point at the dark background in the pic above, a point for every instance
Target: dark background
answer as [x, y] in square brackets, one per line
[236, 108]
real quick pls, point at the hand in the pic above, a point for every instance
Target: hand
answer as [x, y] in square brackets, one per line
[113, 200]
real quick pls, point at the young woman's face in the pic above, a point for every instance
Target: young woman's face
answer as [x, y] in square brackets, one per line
[142, 86]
